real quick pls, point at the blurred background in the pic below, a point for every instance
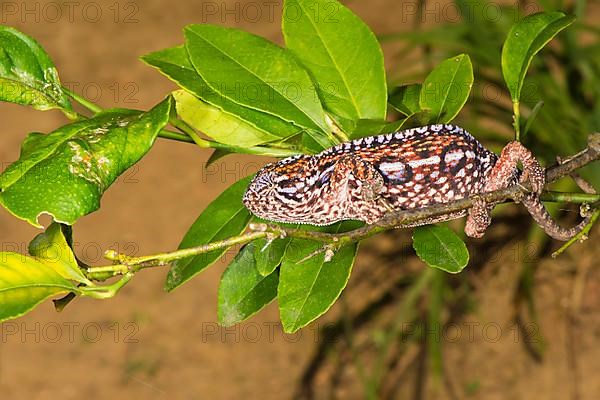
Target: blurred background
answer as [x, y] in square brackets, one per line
[515, 324]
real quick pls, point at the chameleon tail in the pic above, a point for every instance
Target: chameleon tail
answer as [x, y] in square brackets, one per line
[547, 223]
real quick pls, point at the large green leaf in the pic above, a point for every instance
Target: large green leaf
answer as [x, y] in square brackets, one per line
[226, 216]
[526, 38]
[65, 173]
[26, 282]
[217, 124]
[27, 75]
[440, 247]
[175, 64]
[342, 55]
[52, 248]
[446, 88]
[309, 288]
[243, 290]
[256, 73]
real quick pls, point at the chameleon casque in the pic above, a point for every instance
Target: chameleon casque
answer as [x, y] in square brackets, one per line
[366, 178]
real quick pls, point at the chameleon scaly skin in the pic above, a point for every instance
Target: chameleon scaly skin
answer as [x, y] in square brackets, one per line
[366, 178]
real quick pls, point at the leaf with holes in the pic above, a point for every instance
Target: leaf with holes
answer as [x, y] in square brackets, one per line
[65, 173]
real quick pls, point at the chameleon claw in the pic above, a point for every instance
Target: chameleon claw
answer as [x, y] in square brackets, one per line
[585, 210]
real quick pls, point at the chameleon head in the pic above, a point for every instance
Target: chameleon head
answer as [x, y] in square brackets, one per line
[281, 191]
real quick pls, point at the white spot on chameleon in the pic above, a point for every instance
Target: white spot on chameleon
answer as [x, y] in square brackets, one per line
[424, 161]
[453, 156]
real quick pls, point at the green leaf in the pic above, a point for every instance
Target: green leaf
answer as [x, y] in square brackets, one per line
[268, 256]
[342, 55]
[526, 38]
[226, 216]
[52, 248]
[25, 282]
[243, 290]
[27, 75]
[309, 288]
[440, 247]
[217, 124]
[405, 99]
[256, 73]
[65, 173]
[446, 88]
[175, 64]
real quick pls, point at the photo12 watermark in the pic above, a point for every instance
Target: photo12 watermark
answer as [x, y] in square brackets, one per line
[68, 332]
[453, 12]
[51, 12]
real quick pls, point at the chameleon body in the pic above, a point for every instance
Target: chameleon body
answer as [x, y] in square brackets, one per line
[366, 178]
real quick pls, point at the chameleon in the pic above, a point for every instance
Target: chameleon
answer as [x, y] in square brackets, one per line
[367, 178]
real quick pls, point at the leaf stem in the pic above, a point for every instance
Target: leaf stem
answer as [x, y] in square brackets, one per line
[83, 101]
[180, 137]
[106, 292]
[517, 120]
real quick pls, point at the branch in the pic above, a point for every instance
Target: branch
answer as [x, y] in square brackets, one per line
[335, 240]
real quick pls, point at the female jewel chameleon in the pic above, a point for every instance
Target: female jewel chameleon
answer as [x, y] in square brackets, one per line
[366, 178]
